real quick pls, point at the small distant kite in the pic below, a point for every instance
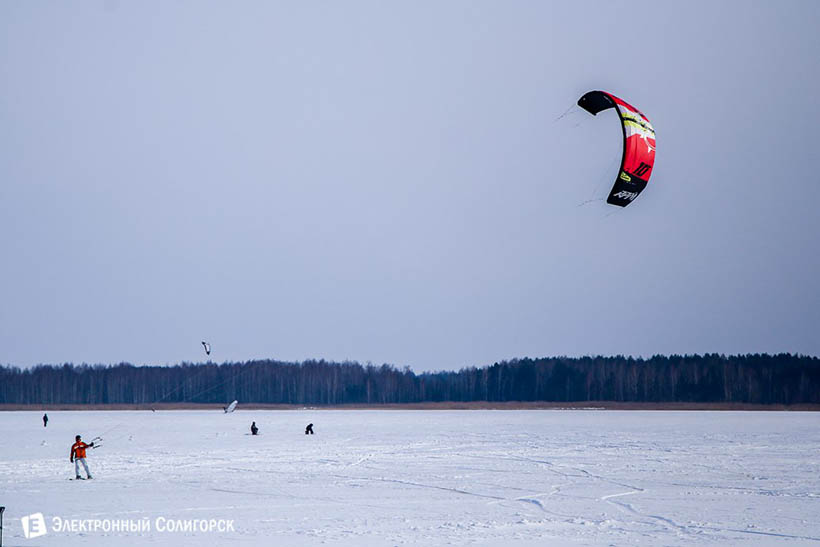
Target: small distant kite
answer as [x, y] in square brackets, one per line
[639, 146]
[231, 407]
[207, 347]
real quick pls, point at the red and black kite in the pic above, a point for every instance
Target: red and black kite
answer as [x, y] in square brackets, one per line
[639, 146]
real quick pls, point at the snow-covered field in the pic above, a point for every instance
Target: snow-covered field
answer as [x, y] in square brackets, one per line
[422, 477]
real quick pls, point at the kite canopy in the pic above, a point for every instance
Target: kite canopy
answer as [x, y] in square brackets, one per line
[639, 145]
[231, 407]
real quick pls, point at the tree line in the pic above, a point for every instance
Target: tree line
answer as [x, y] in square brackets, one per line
[757, 379]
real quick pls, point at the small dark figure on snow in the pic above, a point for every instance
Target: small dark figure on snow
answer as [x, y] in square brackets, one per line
[254, 429]
[309, 429]
[45, 420]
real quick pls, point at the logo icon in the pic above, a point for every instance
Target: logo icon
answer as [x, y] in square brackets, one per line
[623, 194]
[34, 526]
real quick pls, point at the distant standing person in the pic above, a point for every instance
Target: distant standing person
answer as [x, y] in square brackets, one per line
[45, 420]
[254, 429]
[309, 429]
[78, 456]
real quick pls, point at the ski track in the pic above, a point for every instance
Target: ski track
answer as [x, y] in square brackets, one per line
[374, 478]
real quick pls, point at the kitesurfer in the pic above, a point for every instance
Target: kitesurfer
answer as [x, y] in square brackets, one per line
[78, 456]
[309, 429]
[45, 420]
[254, 429]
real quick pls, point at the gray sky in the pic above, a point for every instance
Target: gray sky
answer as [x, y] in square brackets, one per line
[386, 181]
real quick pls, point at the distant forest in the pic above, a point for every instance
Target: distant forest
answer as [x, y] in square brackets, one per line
[756, 379]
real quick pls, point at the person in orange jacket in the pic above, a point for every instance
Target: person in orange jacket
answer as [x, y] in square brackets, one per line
[78, 456]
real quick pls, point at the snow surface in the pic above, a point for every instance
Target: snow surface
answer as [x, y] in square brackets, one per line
[422, 477]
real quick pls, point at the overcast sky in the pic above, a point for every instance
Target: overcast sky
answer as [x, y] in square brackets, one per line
[387, 181]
